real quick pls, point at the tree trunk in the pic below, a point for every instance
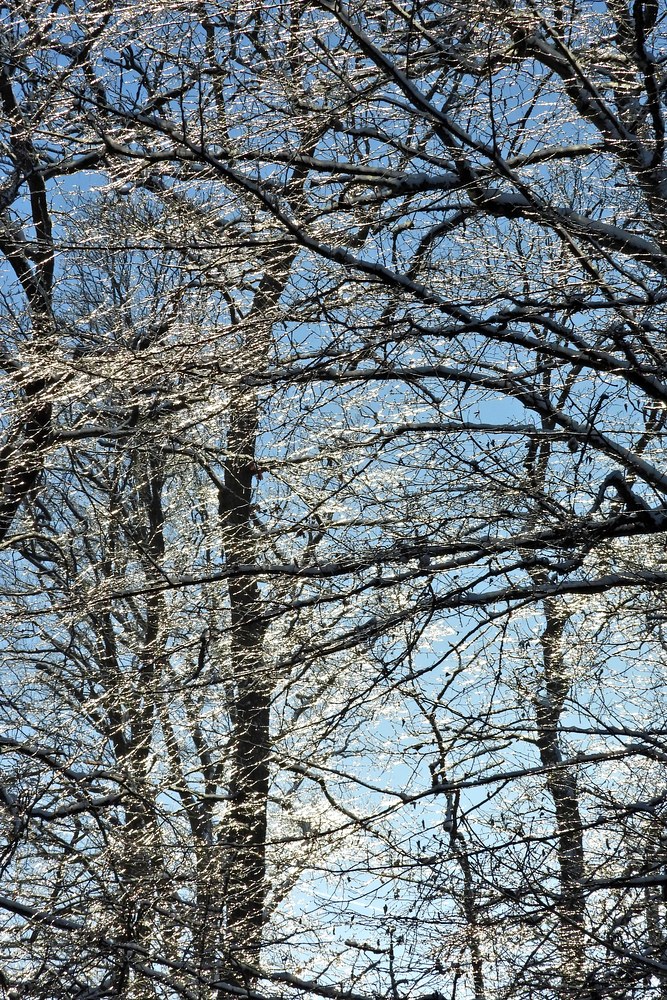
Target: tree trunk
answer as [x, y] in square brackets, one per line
[249, 784]
[562, 788]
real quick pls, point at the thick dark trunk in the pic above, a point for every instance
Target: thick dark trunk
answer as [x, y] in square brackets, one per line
[245, 891]
[22, 459]
[245, 901]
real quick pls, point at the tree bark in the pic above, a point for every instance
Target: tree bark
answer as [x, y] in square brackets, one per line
[562, 787]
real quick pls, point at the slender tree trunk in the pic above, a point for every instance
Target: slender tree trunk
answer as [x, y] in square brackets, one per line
[562, 787]
[561, 784]
[140, 863]
[472, 923]
[655, 904]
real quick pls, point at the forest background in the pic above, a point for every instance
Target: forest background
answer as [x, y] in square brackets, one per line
[333, 500]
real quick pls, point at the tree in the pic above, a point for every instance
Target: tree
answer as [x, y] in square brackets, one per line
[329, 573]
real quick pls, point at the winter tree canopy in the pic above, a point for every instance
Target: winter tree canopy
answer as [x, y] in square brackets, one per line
[333, 500]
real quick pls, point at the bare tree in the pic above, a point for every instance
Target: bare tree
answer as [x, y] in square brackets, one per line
[335, 499]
